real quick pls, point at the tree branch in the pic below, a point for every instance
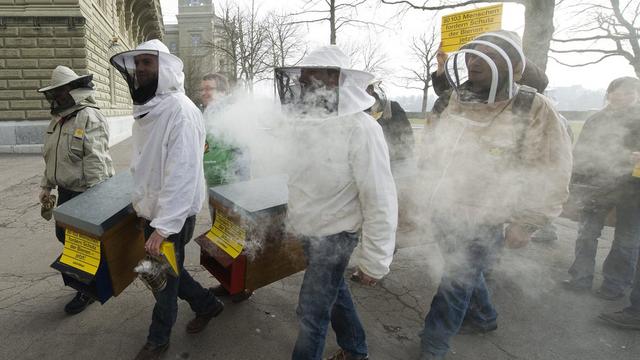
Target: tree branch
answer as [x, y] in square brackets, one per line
[447, 6]
[591, 38]
[582, 64]
[307, 21]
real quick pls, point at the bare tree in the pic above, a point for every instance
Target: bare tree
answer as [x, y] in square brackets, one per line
[610, 30]
[286, 46]
[367, 55]
[194, 70]
[337, 13]
[253, 47]
[538, 29]
[424, 50]
[244, 43]
[228, 44]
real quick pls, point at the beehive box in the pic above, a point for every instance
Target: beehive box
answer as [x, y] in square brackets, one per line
[247, 246]
[103, 239]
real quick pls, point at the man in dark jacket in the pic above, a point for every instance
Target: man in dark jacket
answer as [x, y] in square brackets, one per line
[393, 120]
[601, 180]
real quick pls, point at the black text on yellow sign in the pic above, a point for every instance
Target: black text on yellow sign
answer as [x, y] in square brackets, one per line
[227, 236]
[460, 28]
[81, 252]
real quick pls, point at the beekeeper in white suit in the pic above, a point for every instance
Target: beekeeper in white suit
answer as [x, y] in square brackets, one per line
[340, 182]
[169, 185]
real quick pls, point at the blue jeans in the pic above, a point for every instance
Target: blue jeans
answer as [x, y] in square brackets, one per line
[324, 297]
[619, 266]
[635, 292]
[185, 287]
[462, 294]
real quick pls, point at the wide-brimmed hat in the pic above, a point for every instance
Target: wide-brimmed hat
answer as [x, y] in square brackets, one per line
[352, 95]
[61, 76]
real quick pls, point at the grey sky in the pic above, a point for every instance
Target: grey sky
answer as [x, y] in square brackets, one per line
[395, 40]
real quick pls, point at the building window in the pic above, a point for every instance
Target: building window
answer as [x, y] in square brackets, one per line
[196, 39]
[173, 47]
[195, 3]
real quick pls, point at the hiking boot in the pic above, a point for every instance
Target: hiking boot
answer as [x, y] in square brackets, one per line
[78, 304]
[343, 355]
[201, 320]
[241, 296]
[623, 319]
[608, 294]
[221, 291]
[472, 328]
[575, 286]
[151, 352]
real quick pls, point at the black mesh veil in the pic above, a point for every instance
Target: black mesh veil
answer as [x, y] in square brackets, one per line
[125, 64]
[305, 90]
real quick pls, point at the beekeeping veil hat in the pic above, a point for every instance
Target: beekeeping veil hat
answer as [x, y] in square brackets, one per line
[508, 46]
[80, 94]
[170, 75]
[382, 106]
[62, 75]
[296, 90]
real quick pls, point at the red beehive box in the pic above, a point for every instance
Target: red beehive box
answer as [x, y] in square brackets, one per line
[247, 246]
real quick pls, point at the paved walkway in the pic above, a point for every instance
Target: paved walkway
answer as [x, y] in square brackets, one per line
[537, 319]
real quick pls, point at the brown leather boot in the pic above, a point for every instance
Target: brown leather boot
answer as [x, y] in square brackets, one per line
[343, 355]
[201, 320]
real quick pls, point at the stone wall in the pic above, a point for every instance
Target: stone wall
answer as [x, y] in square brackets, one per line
[38, 35]
[112, 92]
[28, 55]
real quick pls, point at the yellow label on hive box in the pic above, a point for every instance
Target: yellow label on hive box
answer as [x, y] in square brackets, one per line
[227, 236]
[459, 28]
[81, 252]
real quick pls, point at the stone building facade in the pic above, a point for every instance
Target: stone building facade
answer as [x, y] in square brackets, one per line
[193, 38]
[38, 35]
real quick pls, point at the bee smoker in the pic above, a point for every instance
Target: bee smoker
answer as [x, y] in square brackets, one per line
[153, 273]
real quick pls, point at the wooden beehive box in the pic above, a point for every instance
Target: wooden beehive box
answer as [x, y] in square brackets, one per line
[247, 247]
[103, 240]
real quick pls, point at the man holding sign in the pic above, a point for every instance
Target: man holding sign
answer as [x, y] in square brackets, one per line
[499, 165]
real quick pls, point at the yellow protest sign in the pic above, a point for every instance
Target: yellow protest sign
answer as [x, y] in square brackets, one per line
[81, 252]
[460, 28]
[227, 236]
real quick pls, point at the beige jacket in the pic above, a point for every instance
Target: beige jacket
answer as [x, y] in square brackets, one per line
[76, 151]
[476, 171]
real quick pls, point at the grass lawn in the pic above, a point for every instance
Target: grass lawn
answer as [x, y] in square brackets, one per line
[576, 126]
[417, 121]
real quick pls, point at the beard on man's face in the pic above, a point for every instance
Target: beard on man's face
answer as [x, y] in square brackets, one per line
[146, 78]
[146, 90]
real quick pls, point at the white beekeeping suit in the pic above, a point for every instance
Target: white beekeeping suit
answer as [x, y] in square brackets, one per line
[339, 174]
[168, 137]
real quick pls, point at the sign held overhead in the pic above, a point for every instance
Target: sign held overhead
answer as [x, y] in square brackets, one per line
[460, 28]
